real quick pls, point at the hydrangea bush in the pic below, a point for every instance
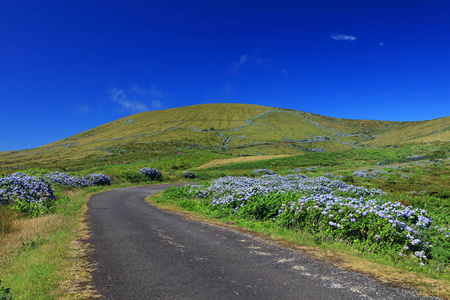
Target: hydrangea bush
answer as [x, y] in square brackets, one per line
[371, 223]
[77, 181]
[371, 175]
[264, 171]
[34, 195]
[98, 179]
[329, 208]
[188, 174]
[30, 195]
[154, 174]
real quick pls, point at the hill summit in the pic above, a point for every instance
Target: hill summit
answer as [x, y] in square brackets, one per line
[236, 129]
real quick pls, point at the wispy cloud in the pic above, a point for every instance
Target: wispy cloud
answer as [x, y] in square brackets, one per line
[381, 44]
[157, 104]
[120, 97]
[255, 59]
[150, 91]
[343, 37]
[237, 65]
[137, 99]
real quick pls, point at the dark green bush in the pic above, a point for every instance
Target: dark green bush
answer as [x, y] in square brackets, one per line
[134, 177]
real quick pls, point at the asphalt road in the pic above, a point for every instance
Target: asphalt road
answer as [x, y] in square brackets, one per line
[142, 252]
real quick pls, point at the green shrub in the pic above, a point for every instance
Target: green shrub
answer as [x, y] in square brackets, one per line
[5, 293]
[134, 177]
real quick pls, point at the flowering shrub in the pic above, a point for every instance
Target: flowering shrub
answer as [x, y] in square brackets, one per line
[264, 171]
[98, 179]
[317, 150]
[244, 187]
[188, 174]
[311, 168]
[30, 195]
[374, 224]
[34, 196]
[154, 174]
[77, 181]
[327, 207]
[366, 174]
[66, 180]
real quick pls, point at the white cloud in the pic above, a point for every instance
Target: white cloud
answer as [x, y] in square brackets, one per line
[343, 37]
[120, 97]
[243, 60]
[381, 44]
[156, 104]
[142, 91]
[255, 59]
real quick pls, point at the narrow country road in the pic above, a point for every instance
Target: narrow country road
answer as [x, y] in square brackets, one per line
[142, 252]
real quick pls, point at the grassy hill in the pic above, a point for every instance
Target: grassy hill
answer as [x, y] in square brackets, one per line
[219, 140]
[229, 129]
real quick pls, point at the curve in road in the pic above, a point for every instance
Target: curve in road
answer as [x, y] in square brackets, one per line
[142, 252]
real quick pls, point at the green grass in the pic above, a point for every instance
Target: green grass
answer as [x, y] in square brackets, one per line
[233, 129]
[40, 257]
[37, 262]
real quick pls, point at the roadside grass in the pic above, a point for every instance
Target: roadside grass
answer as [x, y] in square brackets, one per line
[46, 257]
[335, 251]
[41, 258]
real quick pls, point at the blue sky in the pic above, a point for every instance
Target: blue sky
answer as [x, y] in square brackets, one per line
[69, 66]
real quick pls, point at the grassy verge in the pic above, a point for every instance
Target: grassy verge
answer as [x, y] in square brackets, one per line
[335, 251]
[45, 257]
[41, 258]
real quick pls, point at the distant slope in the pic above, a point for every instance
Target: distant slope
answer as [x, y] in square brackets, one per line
[237, 129]
[414, 132]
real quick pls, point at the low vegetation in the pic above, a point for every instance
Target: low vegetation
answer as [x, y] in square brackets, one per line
[375, 191]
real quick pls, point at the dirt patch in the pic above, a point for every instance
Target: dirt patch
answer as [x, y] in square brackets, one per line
[234, 160]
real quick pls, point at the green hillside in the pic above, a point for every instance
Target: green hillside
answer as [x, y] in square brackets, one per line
[230, 129]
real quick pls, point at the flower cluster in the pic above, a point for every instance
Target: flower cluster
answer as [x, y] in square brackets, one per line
[154, 174]
[231, 189]
[317, 150]
[373, 220]
[330, 175]
[98, 179]
[188, 174]
[264, 171]
[328, 207]
[310, 168]
[29, 194]
[371, 175]
[77, 181]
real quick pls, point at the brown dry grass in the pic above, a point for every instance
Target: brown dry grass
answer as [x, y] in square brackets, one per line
[234, 160]
[81, 268]
[75, 271]
[26, 229]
